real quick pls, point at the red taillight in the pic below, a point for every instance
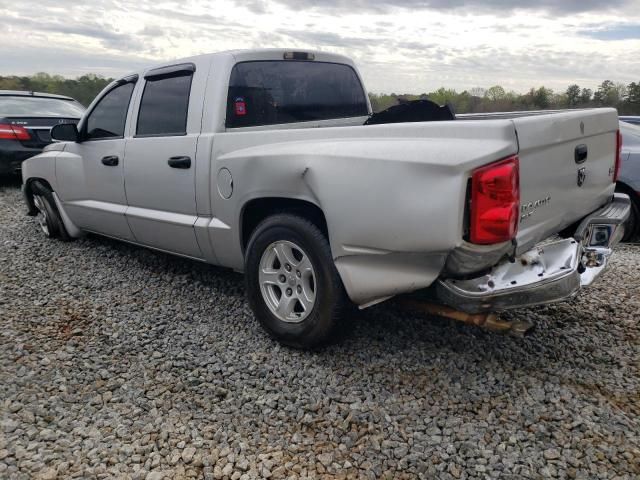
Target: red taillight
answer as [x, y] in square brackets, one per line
[13, 132]
[6, 132]
[21, 132]
[495, 202]
[616, 170]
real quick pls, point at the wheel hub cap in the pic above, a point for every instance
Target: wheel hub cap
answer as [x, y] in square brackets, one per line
[287, 281]
[41, 217]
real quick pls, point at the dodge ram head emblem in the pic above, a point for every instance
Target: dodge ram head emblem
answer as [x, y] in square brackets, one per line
[582, 176]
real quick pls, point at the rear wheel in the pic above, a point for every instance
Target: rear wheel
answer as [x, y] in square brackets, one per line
[47, 216]
[292, 283]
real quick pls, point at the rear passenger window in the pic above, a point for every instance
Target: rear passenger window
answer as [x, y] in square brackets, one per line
[165, 105]
[286, 91]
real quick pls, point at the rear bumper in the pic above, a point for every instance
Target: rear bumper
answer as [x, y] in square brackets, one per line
[550, 272]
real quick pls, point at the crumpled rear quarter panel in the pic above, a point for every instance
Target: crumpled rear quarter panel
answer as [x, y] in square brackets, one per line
[393, 195]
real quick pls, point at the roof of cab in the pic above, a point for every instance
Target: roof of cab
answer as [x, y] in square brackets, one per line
[258, 54]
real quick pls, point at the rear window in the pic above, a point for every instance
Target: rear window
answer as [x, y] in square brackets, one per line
[272, 92]
[11, 106]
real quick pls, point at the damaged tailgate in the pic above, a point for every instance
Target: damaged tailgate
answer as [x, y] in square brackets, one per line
[567, 163]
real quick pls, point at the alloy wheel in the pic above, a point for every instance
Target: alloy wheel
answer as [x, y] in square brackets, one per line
[287, 281]
[42, 216]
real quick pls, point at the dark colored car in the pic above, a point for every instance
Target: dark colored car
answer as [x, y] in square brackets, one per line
[26, 119]
[629, 178]
[635, 120]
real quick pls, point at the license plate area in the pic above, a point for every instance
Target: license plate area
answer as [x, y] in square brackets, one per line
[601, 235]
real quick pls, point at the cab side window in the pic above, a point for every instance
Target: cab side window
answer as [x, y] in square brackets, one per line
[165, 105]
[108, 117]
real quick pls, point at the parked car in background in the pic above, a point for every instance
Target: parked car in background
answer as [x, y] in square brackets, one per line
[629, 179]
[26, 119]
[267, 166]
[635, 120]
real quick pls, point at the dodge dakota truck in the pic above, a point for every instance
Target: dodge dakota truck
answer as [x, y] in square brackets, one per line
[264, 161]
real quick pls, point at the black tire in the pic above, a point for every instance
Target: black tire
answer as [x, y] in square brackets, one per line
[331, 301]
[46, 205]
[632, 226]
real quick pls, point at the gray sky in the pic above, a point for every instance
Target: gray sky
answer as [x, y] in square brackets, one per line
[401, 46]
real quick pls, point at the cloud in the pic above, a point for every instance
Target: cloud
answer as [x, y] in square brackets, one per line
[328, 38]
[399, 45]
[620, 32]
[67, 62]
[466, 6]
[104, 33]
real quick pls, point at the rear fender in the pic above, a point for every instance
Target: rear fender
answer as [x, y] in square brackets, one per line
[393, 197]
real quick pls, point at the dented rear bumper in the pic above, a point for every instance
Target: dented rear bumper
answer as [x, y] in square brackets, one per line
[549, 272]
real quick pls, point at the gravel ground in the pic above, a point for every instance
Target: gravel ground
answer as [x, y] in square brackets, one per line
[116, 361]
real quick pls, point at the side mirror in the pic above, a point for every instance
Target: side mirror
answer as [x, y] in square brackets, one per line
[65, 132]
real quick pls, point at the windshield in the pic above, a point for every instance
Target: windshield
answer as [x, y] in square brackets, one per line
[21, 106]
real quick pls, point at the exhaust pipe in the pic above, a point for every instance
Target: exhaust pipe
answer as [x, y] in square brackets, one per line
[488, 321]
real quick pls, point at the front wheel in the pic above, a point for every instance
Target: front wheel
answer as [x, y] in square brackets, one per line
[47, 214]
[292, 283]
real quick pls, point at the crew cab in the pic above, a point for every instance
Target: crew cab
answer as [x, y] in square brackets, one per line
[261, 161]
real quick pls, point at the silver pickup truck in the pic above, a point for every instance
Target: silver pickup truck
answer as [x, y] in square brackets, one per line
[261, 161]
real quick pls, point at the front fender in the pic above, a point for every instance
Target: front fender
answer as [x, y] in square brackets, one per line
[43, 166]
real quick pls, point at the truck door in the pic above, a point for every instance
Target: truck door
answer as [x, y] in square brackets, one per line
[90, 171]
[160, 159]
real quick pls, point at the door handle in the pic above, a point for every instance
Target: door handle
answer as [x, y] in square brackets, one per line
[180, 162]
[110, 161]
[581, 153]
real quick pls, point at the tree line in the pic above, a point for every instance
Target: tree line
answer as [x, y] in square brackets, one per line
[626, 98]
[83, 89]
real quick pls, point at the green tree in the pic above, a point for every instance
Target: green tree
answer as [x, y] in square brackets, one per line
[610, 94]
[495, 93]
[443, 96]
[631, 105]
[540, 98]
[633, 93]
[381, 102]
[585, 96]
[573, 95]
[83, 88]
